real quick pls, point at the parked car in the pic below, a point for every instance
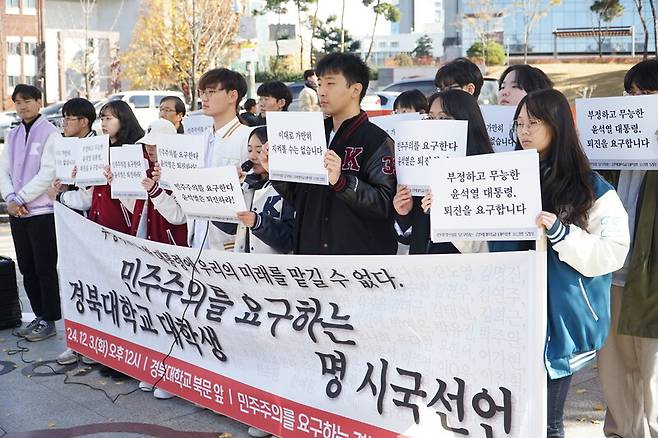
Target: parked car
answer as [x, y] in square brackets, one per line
[6, 120]
[145, 103]
[488, 94]
[53, 113]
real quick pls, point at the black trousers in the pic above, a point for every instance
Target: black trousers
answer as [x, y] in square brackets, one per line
[36, 253]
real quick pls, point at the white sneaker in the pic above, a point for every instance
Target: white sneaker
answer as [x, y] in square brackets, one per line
[162, 394]
[67, 357]
[146, 387]
[257, 433]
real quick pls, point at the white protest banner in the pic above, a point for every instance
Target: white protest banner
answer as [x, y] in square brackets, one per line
[499, 120]
[93, 158]
[486, 197]
[390, 122]
[420, 142]
[212, 193]
[181, 152]
[66, 156]
[128, 167]
[360, 346]
[197, 125]
[619, 132]
[297, 146]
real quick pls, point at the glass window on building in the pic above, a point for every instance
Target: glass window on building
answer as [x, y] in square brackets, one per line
[31, 80]
[12, 6]
[13, 48]
[29, 4]
[12, 81]
[30, 49]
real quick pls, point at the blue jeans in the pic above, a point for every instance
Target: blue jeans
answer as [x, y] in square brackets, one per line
[557, 395]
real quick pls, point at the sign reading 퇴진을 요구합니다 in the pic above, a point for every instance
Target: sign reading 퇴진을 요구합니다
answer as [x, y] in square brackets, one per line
[128, 167]
[419, 143]
[300, 346]
[486, 197]
[212, 193]
[89, 155]
[297, 145]
[619, 132]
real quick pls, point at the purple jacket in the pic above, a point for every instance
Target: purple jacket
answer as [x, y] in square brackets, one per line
[24, 163]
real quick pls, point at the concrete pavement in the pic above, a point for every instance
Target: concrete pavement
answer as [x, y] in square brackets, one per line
[35, 402]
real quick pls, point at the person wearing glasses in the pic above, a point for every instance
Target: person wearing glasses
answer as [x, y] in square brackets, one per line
[628, 362]
[460, 74]
[411, 212]
[27, 167]
[172, 108]
[221, 91]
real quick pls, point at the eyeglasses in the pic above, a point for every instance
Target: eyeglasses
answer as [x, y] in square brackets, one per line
[448, 87]
[68, 119]
[169, 110]
[531, 126]
[210, 92]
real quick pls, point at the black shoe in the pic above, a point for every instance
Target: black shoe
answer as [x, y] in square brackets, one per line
[105, 371]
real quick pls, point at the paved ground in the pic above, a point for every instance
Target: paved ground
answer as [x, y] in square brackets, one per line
[36, 403]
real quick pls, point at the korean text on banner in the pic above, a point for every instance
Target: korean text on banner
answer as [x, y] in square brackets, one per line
[180, 152]
[486, 197]
[499, 120]
[93, 158]
[297, 146]
[213, 193]
[295, 345]
[420, 142]
[619, 132]
[128, 167]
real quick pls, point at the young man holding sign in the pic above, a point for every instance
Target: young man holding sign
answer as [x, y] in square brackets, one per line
[354, 215]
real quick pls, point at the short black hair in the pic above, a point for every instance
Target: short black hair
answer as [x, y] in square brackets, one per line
[460, 71]
[80, 107]
[308, 73]
[414, 99]
[277, 90]
[26, 92]
[350, 66]
[228, 79]
[261, 133]
[644, 75]
[179, 105]
[529, 78]
[249, 104]
[129, 129]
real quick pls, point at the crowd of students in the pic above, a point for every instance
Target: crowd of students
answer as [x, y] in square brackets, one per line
[602, 232]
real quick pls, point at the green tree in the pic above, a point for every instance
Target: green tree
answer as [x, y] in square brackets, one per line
[389, 11]
[423, 47]
[331, 34]
[403, 59]
[495, 53]
[606, 11]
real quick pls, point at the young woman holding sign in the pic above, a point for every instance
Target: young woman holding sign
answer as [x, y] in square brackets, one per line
[587, 230]
[445, 105]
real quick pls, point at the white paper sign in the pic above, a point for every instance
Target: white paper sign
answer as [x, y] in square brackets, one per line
[66, 157]
[212, 193]
[486, 197]
[197, 125]
[93, 157]
[390, 123]
[619, 132]
[499, 120]
[297, 146]
[420, 142]
[128, 167]
[180, 152]
[264, 339]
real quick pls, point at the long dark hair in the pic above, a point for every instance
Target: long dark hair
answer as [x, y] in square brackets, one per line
[460, 105]
[129, 129]
[565, 181]
[260, 133]
[527, 77]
